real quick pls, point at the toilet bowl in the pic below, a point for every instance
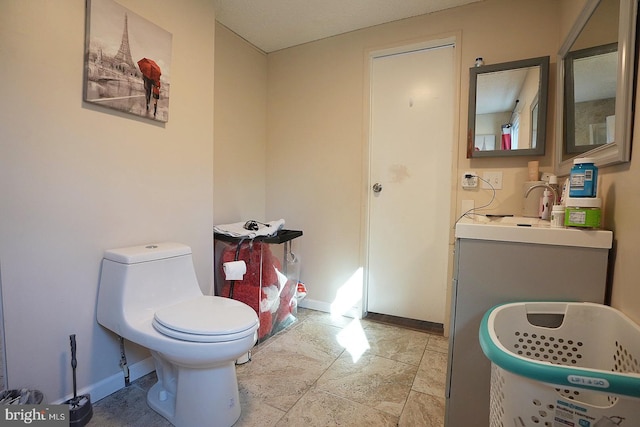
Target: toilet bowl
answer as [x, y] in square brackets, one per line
[149, 295]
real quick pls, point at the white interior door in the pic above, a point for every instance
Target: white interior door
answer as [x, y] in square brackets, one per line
[411, 143]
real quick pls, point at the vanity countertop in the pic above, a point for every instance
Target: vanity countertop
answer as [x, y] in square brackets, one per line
[530, 230]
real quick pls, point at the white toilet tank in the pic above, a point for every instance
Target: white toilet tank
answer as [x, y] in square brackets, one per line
[139, 280]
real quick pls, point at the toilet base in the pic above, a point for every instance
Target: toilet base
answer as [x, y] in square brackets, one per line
[196, 397]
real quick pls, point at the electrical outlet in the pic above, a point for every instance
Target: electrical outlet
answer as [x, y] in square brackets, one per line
[495, 178]
[471, 182]
[467, 205]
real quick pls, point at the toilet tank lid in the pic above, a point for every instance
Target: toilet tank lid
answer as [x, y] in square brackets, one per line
[149, 252]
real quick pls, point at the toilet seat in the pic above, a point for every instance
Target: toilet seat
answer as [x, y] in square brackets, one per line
[206, 319]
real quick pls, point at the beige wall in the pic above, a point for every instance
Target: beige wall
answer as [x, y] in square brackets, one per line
[240, 124]
[316, 162]
[620, 188]
[569, 11]
[78, 179]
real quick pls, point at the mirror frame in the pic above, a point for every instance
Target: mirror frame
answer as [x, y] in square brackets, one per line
[618, 151]
[543, 90]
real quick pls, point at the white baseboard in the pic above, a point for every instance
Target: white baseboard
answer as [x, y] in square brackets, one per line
[353, 312]
[113, 383]
[315, 305]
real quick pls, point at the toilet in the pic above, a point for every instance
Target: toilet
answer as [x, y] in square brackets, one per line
[150, 295]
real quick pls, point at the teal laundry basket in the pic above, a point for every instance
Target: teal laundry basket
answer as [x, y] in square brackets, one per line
[557, 364]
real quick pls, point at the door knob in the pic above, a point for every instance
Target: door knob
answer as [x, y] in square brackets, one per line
[377, 187]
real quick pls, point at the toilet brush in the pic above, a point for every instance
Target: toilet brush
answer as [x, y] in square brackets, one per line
[80, 411]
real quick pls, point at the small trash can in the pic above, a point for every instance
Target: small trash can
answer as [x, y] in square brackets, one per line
[562, 364]
[21, 397]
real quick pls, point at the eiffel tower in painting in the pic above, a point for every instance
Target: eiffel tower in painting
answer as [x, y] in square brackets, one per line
[124, 53]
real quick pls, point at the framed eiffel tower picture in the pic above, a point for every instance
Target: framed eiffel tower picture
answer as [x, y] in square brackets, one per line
[127, 61]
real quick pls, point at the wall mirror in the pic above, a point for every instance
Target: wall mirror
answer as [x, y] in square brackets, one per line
[595, 85]
[508, 108]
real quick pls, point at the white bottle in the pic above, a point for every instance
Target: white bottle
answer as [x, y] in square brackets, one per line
[545, 208]
[557, 216]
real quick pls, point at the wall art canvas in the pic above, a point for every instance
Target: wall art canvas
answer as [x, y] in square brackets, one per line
[127, 61]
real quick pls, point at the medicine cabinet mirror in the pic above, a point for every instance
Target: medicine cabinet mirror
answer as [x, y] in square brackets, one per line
[595, 85]
[508, 108]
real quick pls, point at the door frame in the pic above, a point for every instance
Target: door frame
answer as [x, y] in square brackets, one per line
[393, 49]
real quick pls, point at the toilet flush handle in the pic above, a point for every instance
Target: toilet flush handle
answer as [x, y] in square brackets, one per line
[377, 187]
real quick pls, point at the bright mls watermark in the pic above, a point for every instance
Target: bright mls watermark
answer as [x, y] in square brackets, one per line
[34, 415]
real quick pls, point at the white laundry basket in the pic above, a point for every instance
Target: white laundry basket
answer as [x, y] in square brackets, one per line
[561, 364]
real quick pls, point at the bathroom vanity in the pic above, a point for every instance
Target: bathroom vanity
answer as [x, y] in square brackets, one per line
[506, 260]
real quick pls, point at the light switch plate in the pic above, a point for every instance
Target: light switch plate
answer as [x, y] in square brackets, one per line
[495, 178]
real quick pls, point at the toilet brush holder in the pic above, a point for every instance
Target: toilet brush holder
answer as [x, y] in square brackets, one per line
[80, 410]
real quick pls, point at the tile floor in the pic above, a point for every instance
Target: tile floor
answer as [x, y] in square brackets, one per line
[304, 376]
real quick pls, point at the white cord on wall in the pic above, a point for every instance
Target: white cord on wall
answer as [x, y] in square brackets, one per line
[493, 197]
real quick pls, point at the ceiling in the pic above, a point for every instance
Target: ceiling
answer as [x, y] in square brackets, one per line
[271, 25]
[498, 92]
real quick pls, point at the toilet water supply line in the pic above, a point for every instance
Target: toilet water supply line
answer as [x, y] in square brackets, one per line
[123, 363]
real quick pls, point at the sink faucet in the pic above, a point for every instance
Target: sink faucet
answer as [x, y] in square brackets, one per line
[548, 187]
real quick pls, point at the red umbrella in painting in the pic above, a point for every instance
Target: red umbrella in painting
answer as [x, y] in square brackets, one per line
[151, 76]
[149, 69]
